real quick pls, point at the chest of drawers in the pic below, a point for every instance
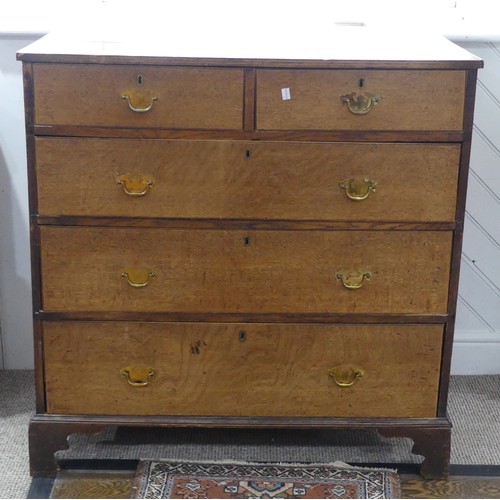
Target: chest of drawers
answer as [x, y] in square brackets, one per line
[245, 242]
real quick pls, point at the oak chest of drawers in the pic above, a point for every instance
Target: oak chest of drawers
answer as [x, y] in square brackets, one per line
[245, 242]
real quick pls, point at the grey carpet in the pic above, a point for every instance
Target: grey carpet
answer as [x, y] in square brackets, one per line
[17, 398]
[474, 409]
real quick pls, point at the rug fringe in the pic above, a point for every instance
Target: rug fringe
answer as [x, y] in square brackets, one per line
[338, 463]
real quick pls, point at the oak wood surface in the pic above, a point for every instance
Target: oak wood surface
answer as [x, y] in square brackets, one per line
[94, 484]
[458, 239]
[249, 99]
[268, 225]
[207, 369]
[50, 432]
[45, 440]
[257, 63]
[190, 98]
[341, 318]
[412, 424]
[433, 444]
[233, 179]
[34, 236]
[409, 100]
[244, 271]
[248, 135]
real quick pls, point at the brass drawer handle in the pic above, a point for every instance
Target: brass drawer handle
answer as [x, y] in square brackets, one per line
[139, 110]
[345, 375]
[353, 279]
[138, 277]
[360, 104]
[137, 377]
[358, 191]
[134, 186]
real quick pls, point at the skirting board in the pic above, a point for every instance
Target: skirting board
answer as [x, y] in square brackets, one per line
[480, 356]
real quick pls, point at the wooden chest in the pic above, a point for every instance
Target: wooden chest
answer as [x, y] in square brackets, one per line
[248, 242]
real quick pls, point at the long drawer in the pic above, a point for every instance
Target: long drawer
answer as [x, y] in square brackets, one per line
[360, 100]
[138, 96]
[145, 269]
[242, 369]
[248, 180]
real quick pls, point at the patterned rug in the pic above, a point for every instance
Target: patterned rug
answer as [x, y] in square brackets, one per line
[167, 479]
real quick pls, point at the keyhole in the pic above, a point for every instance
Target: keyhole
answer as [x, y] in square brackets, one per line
[242, 335]
[247, 154]
[139, 79]
[361, 83]
[246, 241]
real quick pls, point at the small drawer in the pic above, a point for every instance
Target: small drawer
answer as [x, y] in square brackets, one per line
[293, 370]
[204, 271]
[360, 100]
[247, 180]
[138, 96]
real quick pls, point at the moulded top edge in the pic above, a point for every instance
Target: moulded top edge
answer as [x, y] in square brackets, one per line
[340, 48]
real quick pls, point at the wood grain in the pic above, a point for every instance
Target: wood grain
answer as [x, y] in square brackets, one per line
[410, 100]
[458, 237]
[453, 487]
[339, 318]
[244, 224]
[248, 180]
[206, 369]
[246, 62]
[244, 271]
[249, 100]
[250, 135]
[189, 98]
[93, 484]
[98, 421]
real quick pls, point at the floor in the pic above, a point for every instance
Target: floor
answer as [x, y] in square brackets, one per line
[118, 484]
[414, 486]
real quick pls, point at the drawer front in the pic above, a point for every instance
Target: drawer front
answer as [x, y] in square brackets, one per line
[189, 98]
[225, 179]
[408, 100]
[142, 269]
[242, 369]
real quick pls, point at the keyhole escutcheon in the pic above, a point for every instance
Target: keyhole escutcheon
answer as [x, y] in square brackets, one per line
[246, 241]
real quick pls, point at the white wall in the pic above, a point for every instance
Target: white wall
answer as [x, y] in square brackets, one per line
[21, 23]
[477, 337]
[477, 344]
[15, 279]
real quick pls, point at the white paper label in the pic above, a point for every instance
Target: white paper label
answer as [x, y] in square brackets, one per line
[285, 94]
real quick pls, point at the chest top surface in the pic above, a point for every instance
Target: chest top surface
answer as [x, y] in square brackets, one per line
[282, 46]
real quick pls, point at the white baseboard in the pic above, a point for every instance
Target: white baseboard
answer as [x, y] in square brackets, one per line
[476, 355]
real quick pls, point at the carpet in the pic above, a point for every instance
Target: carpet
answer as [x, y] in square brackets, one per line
[174, 479]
